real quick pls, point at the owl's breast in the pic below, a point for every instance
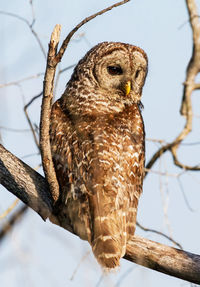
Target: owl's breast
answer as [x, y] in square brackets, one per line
[116, 152]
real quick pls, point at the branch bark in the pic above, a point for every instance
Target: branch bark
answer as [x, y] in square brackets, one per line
[45, 115]
[165, 259]
[25, 183]
[28, 185]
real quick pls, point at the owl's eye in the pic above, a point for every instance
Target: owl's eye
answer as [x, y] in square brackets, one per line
[115, 70]
[138, 74]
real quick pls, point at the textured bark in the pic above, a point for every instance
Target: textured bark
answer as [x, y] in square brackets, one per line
[45, 146]
[25, 183]
[165, 259]
[32, 189]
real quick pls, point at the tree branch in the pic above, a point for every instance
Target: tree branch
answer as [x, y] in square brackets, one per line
[45, 115]
[25, 183]
[69, 36]
[165, 259]
[14, 218]
[32, 189]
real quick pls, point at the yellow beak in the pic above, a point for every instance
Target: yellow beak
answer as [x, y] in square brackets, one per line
[127, 88]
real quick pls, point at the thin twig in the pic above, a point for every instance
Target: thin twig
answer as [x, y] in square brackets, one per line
[31, 126]
[32, 100]
[68, 38]
[159, 233]
[14, 130]
[30, 27]
[184, 195]
[9, 209]
[12, 221]
[21, 80]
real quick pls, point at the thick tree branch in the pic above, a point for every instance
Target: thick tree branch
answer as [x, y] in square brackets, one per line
[25, 183]
[165, 259]
[32, 189]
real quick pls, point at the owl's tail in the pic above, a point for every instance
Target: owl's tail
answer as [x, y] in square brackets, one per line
[108, 232]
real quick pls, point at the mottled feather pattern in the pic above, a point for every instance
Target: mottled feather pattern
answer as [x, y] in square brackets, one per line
[97, 139]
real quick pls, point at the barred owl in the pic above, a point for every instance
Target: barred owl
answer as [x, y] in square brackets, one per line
[97, 143]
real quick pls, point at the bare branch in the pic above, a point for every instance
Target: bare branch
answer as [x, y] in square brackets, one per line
[45, 115]
[21, 80]
[69, 36]
[14, 130]
[29, 120]
[30, 27]
[12, 221]
[9, 209]
[159, 233]
[25, 183]
[157, 155]
[165, 259]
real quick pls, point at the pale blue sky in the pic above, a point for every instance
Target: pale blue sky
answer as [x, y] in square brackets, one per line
[41, 254]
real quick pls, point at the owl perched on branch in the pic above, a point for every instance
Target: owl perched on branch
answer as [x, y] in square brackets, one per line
[97, 142]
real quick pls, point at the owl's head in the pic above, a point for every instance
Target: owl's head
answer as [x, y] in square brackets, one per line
[112, 72]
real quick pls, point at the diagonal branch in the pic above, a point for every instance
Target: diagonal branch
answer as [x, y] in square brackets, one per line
[14, 218]
[69, 36]
[32, 189]
[30, 25]
[25, 183]
[165, 259]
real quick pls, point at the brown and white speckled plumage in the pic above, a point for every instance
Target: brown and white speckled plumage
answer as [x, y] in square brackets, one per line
[97, 139]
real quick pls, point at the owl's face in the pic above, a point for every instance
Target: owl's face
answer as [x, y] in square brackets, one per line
[110, 76]
[122, 71]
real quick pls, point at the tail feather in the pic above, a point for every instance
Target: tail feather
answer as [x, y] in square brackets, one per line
[108, 231]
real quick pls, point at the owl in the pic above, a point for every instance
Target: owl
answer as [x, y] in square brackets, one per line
[97, 143]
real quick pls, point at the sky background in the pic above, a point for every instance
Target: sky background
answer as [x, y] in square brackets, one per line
[41, 254]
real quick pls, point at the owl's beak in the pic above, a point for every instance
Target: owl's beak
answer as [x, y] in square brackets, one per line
[127, 88]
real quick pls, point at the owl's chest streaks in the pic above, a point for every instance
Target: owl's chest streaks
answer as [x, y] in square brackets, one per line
[108, 151]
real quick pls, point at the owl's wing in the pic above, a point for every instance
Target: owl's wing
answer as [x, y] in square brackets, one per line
[59, 130]
[136, 169]
[67, 157]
